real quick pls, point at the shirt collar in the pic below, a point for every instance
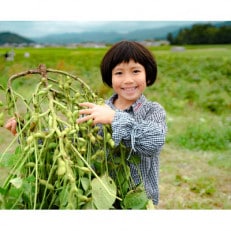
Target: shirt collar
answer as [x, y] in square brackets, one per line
[135, 106]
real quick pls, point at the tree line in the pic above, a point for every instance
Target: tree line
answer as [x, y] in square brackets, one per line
[202, 34]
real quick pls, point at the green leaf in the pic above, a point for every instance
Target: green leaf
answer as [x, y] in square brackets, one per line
[135, 199]
[89, 205]
[85, 182]
[100, 195]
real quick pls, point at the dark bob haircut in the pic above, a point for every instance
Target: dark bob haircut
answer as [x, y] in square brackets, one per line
[124, 51]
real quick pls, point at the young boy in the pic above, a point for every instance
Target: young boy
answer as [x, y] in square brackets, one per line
[128, 68]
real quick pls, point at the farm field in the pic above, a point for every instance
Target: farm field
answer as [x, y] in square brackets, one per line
[193, 86]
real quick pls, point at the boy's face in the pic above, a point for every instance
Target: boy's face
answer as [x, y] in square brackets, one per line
[128, 81]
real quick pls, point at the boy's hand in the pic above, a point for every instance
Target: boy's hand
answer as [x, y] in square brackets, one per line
[100, 114]
[11, 125]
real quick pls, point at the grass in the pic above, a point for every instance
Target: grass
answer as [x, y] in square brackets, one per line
[193, 180]
[196, 133]
[194, 88]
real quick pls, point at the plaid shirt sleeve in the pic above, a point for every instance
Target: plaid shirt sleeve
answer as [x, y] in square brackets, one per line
[144, 131]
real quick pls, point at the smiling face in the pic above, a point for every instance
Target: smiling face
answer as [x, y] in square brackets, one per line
[129, 82]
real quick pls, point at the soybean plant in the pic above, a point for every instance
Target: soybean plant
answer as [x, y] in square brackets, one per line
[61, 164]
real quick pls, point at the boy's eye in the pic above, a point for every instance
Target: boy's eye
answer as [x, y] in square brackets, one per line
[136, 71]
[118, 73]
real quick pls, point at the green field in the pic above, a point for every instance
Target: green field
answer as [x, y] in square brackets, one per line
[194, 88]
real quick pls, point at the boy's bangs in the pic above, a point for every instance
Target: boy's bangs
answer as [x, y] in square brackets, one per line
[125, 55]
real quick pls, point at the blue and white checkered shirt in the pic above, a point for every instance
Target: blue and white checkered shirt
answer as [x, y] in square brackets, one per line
[142, 127]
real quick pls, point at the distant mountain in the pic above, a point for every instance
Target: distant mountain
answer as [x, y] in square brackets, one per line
[103, 37]
[109, 37]
[7, 37]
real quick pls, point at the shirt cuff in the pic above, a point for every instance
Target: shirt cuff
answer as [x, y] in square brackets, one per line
[121, 126]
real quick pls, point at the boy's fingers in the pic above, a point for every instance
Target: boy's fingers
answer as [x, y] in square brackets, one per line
[8, 125]
[11, 125]
[84, 119]
[85, 111]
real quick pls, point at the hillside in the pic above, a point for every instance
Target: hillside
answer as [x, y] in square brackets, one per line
[109, 37]
[7, 37]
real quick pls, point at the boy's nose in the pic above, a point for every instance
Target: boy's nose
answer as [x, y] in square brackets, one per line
[128, 78]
